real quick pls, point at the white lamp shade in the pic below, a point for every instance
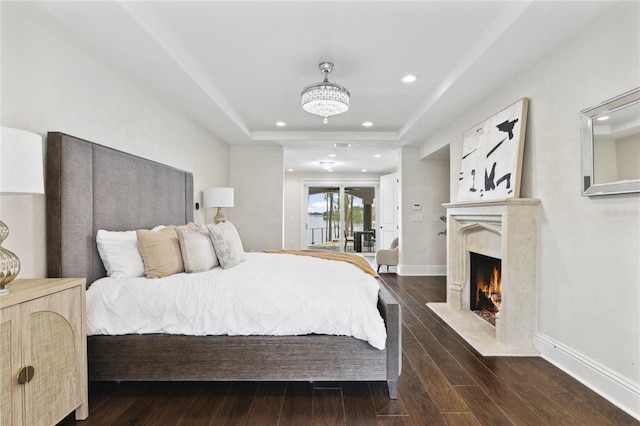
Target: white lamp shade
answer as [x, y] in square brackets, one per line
[218, 197]
[21, 167]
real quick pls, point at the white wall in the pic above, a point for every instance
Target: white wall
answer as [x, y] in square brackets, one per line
[258, 182]
[52, 81]
[425, 182]
[293, 217]
[605, 168]
[588, 307]
[628, 157]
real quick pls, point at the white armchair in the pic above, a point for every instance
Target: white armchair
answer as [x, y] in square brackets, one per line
[388, 256]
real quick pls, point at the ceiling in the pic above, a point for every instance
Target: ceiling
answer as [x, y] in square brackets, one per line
[238, 67]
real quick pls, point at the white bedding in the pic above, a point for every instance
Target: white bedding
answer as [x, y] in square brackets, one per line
[268, 294]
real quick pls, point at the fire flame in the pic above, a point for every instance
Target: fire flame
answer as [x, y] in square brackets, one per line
[491, 290]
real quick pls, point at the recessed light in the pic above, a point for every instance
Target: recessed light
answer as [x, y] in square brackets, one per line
[367, 124]
[289, 170]
[342, 145]
[364, 170]
[281, 124]
[331, 155]
[409, 78]
[603, 118]
[377, 155]
[326, 164]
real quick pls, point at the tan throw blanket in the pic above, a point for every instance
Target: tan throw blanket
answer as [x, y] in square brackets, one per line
[354, 259]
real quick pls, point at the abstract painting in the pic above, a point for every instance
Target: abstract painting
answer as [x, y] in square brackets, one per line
[491, 162]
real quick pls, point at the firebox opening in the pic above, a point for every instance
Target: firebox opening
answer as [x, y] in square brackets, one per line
[485, 295]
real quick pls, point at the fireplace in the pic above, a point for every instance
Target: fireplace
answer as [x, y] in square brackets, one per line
[485, 280]
[504, 234]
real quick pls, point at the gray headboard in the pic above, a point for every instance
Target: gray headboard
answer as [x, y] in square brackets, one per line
[91, 187]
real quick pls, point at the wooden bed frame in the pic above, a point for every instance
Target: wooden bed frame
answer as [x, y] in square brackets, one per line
[91, 187]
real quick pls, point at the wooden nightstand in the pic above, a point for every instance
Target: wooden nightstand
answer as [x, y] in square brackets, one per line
[43, 351]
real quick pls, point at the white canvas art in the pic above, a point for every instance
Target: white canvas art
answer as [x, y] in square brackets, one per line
[491, 160]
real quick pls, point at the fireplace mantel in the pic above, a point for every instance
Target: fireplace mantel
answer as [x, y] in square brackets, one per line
[505, 229]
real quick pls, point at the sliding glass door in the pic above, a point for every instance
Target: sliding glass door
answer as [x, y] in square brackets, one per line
[323, 218]
[340, 218]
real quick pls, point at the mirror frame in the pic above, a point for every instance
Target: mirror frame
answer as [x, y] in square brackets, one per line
[586, 125]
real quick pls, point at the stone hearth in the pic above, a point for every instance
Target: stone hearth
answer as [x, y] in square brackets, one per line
[507, 230]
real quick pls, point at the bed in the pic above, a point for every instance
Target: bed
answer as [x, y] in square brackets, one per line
[90, 187]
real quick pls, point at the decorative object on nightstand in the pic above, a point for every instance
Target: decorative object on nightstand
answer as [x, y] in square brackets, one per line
[43, 349]
[21, 173]
[218, 197]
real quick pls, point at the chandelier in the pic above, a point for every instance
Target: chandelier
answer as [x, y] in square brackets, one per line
[325, 98]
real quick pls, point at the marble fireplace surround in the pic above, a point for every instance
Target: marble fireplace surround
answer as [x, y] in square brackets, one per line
[508, 230]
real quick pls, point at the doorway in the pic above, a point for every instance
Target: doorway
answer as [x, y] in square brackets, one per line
[340, 217]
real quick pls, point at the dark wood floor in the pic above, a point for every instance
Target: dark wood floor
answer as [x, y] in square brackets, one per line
[444, 382]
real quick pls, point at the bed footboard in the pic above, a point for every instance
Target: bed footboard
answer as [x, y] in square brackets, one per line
[391, 312]
[162, 357]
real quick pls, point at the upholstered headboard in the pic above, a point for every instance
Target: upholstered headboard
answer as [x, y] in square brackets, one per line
[91, 187]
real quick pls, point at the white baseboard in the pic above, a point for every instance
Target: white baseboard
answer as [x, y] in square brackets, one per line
[422, 270]
[600, 379]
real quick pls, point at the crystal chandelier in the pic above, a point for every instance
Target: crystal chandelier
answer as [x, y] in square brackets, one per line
[325, 98]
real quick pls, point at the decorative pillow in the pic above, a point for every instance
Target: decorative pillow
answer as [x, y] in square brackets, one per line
[227, 244]
[189, 226]
[160, 252]
[119, 253]
[197, 250]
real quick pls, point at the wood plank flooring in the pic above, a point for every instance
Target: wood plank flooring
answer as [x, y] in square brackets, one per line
[444, 382]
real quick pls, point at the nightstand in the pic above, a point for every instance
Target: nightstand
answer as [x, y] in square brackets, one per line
[43, 351]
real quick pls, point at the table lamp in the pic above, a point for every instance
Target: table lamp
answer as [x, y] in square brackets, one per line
[21, 172]
[218, 197]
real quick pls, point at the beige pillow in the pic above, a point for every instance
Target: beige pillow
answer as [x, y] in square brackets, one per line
[160, 252]
[227, 244]
[197, 250]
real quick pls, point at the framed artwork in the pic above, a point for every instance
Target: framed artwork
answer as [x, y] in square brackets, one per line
[491, 163]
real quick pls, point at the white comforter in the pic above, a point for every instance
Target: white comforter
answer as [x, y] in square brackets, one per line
[267, 294]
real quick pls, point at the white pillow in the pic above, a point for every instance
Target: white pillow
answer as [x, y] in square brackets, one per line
[227, 244]
[198, 254]
[119, 253]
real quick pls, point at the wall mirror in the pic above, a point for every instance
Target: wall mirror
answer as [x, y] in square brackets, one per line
[610, 135]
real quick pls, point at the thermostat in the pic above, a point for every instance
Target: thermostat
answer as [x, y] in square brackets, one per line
[417, 206]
